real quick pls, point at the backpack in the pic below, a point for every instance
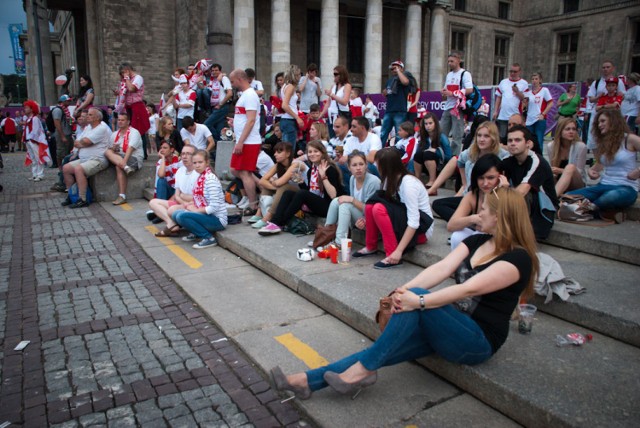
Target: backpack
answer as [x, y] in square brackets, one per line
[232, 194]
[74, 194]
[474, 99]
[298, 226]
[51, 125]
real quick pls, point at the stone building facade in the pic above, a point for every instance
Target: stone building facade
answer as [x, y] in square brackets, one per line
[565, 40]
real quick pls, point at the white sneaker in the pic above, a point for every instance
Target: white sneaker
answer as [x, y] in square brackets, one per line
[244, 203]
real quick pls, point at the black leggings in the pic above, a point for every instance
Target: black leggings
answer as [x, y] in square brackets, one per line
[445, 207]
[291, 202]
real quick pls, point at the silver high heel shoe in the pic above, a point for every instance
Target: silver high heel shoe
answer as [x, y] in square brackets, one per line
[352, 389]
[282, 384]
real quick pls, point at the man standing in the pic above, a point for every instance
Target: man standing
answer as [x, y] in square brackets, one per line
[133, 93]
[458, 81]
[64, 141]
[125, 152]
[310, 88]
[397, 90]
[9, 129]
[246, 128]
[509, 95]
[221, 93]
[91, 159]
[197, 135]
[598, 89]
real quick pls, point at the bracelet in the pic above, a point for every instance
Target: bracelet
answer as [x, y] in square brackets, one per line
[422, 307]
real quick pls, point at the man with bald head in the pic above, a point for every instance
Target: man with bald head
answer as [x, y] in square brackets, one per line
[246, 128]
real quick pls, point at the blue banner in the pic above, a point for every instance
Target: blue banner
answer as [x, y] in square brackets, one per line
[18, 53]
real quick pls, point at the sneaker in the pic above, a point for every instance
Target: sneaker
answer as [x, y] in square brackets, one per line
[157, 220]
[382, 265]
[254, 219]
[128, 170]
[119, 201]
[207, 242]
[37, 179]
[58, 187]
[270, 229]
[81, 203]
[190, 238]
[151, 215]
[66, 202]
[244, 203]
[259, 224]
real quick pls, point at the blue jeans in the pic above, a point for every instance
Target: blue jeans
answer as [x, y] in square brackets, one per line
[163, 189]
[391, 119]
[217, 120]
[411, 335]
[607, 196]
[538, 129]
[289, 129]
[344, 215]
[201, 225]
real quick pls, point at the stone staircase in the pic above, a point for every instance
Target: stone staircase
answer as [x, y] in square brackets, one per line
[530, 379]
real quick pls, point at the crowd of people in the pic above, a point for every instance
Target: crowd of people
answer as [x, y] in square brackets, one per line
[330, 155]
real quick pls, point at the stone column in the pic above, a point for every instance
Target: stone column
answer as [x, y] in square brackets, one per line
[94, 59]
[413, 43]
[373, 48]
[280, 36]
[219, 38]
[244, 35]
[44, 91]
[437, 47]
[329, 40]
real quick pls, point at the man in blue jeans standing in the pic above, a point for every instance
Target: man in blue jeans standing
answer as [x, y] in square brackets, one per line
[221, 93]
[397, 89]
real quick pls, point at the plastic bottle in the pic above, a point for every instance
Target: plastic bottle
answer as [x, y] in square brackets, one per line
[575, 339]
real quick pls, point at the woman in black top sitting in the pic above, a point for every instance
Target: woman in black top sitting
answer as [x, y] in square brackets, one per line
[324, 182]
[167, 132]
[464, 323]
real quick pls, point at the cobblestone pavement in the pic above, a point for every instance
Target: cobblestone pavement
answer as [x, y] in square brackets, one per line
[114, 342]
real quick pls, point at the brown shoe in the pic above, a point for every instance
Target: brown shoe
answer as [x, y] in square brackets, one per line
[119, 201]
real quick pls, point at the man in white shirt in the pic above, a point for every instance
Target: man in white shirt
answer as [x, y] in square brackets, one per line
[361, 140]
[597, 89]
[91, 158]
[246, 128]
[197, 135]
[310, 88]
[341, 129]
[221, 93]
[458, 79]
[184, 101]
[509, 95]
[125, 153]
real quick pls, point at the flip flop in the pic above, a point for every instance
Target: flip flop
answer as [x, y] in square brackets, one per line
[167, 232]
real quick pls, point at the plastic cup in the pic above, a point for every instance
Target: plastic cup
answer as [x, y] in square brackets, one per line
[525, 318]
[345, 250]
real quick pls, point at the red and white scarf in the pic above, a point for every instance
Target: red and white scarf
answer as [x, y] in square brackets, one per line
[315, 184]
[198, 191]
[125, 144]
[34, 133]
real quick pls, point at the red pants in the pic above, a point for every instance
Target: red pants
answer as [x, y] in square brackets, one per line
[379, 223]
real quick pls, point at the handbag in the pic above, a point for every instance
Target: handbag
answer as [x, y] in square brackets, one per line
[385, 311]
[324, 235]
[576, 208]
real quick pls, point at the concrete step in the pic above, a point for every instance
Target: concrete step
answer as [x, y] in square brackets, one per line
[105, 186]
[617, 242]
[529, 379]
[608, 305]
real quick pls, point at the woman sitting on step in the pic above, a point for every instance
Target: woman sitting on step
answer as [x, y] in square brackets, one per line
[465, 323]
[568, 156]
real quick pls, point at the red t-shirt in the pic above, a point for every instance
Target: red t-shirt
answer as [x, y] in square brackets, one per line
[606, 99]
[9, 126]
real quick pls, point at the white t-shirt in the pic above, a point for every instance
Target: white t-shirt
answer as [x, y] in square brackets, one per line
[219, 89]
[186, 181]
[510, 104]
[452, 83]
[372, 142]
[414, 195]
[135, 141]
[601, 90]
[188, 97]
[335, 107]
[152, 123]
[372, 113]
[537, 103]
[631, 102]
[249, 101]
[100, 136]
[354, 104]
[199, 138]
[293, 103]
[264, 164]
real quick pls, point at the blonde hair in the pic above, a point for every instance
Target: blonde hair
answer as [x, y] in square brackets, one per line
[513, 229]
[163, 121]
[323, 132]
[474, 151]
[291, 75]
[557, 140]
